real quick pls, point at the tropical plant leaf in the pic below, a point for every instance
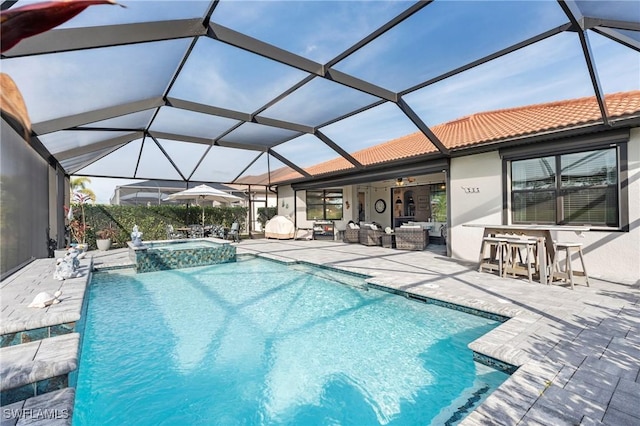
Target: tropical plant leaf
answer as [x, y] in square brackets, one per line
[26, 21]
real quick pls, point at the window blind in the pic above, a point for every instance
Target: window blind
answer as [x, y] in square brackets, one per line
[584, 192]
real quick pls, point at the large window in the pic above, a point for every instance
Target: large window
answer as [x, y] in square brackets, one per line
[576, 189]
[324, 205]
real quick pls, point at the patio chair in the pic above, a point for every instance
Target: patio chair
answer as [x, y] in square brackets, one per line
[218, 231]
[443, 233]
[369, 236]
[351, 233]
[234, 232]
[412, 237]
[197, 231]
[172, 234]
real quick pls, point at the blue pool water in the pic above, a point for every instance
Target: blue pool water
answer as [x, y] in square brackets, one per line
[261, 343]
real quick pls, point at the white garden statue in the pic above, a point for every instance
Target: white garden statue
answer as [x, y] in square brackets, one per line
[67, 266]
[136, 237]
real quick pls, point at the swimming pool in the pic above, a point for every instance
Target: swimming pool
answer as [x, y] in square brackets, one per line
[259, 342]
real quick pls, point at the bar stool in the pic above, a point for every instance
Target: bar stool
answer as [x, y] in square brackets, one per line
[496, 259]
[514, 247]
[568, 273]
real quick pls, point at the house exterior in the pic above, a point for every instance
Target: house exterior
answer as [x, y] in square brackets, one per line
[563, 166]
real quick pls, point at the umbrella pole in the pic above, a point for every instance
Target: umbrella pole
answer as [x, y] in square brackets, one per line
[203, 214]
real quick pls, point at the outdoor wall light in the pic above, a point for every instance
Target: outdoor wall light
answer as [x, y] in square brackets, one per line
[399, 182]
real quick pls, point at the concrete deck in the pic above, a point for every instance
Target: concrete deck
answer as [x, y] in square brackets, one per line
[578, 351]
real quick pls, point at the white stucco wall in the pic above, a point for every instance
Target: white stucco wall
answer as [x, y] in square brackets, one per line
[350, 194]
[475, 196]
[610, 255]
[286, 201]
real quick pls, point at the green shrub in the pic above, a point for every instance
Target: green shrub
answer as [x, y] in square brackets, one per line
[152, 221]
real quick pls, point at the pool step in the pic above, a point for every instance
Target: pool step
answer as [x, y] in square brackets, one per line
[468, 406]
[36, 368]
[53, 408]
[34, 334]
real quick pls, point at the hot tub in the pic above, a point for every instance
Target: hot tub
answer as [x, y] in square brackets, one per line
[172, 254]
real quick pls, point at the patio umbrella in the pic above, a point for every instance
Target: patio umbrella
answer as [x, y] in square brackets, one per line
[203, 193]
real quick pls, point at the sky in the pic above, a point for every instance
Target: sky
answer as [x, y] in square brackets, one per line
[440, 37]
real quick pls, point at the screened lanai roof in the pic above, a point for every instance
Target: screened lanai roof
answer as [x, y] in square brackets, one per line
[225, 91]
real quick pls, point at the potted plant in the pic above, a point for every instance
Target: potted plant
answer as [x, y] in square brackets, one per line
[79, 227]
[105, 237]
[78, 232]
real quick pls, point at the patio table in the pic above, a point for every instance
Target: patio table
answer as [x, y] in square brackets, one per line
[388, 240]
[185, 231]
[542, 234]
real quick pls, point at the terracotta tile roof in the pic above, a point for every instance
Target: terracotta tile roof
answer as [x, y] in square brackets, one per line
[278, 175]
[487, 127]
[532, 119]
